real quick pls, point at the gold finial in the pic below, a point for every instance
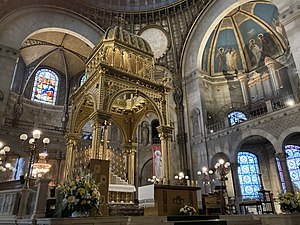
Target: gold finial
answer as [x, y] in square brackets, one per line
[121, 21]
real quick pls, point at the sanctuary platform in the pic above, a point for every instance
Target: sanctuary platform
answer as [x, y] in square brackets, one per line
[272, 219]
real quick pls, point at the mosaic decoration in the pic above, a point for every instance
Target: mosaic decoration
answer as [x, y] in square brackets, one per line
[280, 174]
[248, 175]
[236, 118]
[82, 79]
[293, 163]
[45, 86]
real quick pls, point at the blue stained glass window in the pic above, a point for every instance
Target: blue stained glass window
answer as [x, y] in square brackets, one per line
[236, 117]
[82, 79]
[248, 175]
[281, 174]
[293, 163]
[45, 86]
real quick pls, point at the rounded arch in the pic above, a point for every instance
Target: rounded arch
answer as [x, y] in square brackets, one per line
[236, 146]
[193, 48]
[283, 136]
[117, 94]
[23, 24]
[79, 124]
[219, 155]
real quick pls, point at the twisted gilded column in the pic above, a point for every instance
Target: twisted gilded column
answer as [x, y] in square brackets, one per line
[165, 134]
[72, 142]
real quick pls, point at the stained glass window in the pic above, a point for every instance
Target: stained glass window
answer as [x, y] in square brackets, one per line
[45, 86]
[293, 163]
[280, 174]
[82, 79]
[248, 175]
[236, 117]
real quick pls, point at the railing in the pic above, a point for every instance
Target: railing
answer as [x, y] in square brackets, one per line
[256, 110]
[28, 124]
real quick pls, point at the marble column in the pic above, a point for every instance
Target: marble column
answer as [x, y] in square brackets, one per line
[285, 170]
[165, 134]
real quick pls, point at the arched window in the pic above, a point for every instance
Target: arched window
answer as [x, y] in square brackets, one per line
[293, 163]
[280, 174]
[82, 79]
[248, 175]
[45, 86]
[236, 117]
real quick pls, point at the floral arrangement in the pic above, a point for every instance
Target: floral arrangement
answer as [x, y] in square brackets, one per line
[81, 194]
[187, 210]
[289, 202]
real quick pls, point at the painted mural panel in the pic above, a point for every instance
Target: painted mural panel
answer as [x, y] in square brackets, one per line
[227, 56]
[207, 52]
[259, 43]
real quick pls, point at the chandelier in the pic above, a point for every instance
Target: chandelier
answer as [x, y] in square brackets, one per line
[41, 166]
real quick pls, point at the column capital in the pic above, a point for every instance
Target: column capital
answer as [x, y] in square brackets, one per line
[71, 137]
[242, 77]
[164, 131]
[281, 155]
[130, 147]
[100, 116]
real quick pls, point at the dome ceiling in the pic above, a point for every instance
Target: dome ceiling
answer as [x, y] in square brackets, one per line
[243, 39]
[53, 49]
[130, 5]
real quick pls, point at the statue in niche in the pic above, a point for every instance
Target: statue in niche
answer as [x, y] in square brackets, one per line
[195, 121]
[145, 133]
[178, 95]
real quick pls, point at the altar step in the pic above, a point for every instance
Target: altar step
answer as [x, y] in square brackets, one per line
[194, 220]
[125, 210]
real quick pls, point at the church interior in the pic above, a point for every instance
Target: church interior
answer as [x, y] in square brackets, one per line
[173, 112]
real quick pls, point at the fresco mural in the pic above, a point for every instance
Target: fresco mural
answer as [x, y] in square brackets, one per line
[207, 50]
[259, 43]
[243, 39]
[227, 56]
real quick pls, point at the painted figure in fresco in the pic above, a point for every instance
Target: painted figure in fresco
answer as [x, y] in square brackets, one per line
[231, 59]
[255, 49]
[221, 58]
[266, 46]
[279, 27]
[158, 164]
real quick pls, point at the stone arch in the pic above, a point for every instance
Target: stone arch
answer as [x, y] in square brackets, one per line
[24, 23]
[283, 136]
[219, 155]
[78, 124]
[236, 146]
[157, 111]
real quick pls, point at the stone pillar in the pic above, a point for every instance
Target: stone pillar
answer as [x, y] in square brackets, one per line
[165, 133]
[130, 150]
[275, 77]
[236, 184]
[243, 78]
[285, 170]
[72, 141]
[289, 20]
[8, 58]
[41, 198]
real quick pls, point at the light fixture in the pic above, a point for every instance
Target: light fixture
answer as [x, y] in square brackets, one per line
[31, 150]
[206, 178]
